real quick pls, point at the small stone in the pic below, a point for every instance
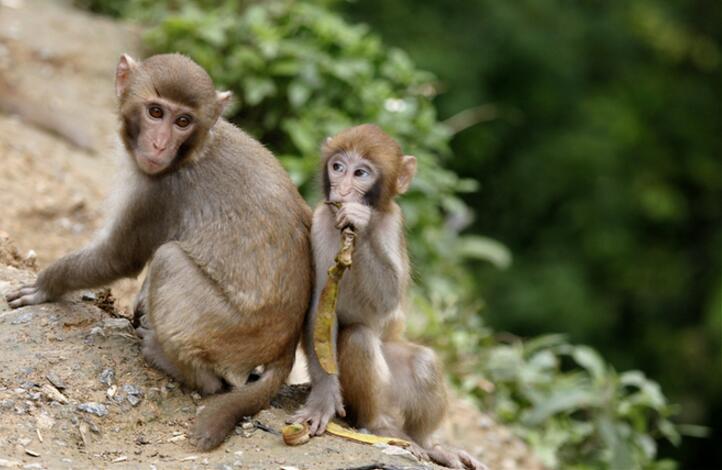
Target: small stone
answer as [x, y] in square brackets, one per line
[9, 463]
[33, 465]
[44, 421]
[24, 441]
[32, 453]
[395, 450]
[134, 394]
[117, 324]
[141, 440]
[89, 296]
[26, 317]
[57, 382]
[21, 408]
[7, 404]
[83, 428]
[31, 256]
[122, 458]
[110, 393]
[92, 426]
[53, 394]
[107, 377]
[97, 409]
[133, 400]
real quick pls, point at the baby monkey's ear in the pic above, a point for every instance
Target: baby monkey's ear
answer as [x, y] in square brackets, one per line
[408, 170]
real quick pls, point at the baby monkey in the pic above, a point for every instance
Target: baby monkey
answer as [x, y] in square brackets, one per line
[391, 387]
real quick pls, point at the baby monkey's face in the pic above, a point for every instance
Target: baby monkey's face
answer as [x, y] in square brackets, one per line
[350, 176]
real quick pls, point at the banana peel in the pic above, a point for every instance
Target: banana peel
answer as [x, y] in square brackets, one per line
[326, 309]
[297, 434]
[340, 431]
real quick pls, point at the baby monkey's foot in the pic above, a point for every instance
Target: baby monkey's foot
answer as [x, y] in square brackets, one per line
[322, 404]
[454, 458]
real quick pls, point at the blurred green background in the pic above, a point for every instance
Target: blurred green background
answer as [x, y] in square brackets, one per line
[597, 142]
[570, 183]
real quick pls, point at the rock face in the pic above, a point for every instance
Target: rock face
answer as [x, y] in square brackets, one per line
[74, 389]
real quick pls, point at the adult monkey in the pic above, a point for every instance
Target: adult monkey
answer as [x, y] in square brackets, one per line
[226, 233]
[391, 386]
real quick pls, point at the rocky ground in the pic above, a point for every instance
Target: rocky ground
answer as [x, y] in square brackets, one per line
[74, 391]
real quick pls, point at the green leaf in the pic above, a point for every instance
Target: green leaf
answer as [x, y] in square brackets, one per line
[257, 89]
[298, 94]
[591, 361]
[559, 400]
[486, 249]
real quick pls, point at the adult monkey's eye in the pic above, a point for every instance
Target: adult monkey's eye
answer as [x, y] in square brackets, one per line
[155, 112]
[183, 121]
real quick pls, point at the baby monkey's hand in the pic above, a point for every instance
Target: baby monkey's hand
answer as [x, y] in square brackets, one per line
[355, 214]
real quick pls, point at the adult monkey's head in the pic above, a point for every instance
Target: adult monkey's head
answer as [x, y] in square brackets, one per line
[168, 104]
[364, 164]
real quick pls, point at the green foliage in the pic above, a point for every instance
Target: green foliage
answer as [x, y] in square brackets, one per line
[599, 165]
[569, 404]
[574, 409]
[301, 73]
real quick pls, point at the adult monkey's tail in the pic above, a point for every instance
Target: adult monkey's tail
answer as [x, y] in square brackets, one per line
[221, 415]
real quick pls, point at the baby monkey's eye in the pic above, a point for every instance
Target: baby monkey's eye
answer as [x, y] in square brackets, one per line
[155, 112]
[337, 167]
[360, 173]
[183, 121]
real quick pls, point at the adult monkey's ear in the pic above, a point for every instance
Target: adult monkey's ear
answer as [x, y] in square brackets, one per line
[126, 66]
[408, 170]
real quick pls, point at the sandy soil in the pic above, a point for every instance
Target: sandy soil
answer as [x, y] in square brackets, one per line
[56, 166]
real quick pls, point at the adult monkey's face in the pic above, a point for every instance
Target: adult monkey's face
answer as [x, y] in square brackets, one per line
[164, 120]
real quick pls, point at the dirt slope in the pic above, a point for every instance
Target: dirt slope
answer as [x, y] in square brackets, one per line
[75, 393]
[56, 166]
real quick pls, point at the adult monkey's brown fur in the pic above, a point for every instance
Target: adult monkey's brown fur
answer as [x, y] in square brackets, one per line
[391, 386]
[226, 234]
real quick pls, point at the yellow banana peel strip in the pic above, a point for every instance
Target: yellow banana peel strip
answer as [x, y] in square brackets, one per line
[326, 310]
[338, 430]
